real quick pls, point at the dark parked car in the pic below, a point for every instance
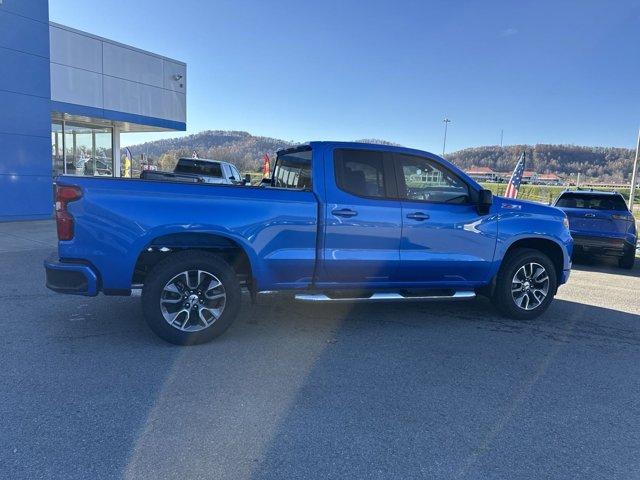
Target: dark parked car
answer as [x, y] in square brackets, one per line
[600, 223]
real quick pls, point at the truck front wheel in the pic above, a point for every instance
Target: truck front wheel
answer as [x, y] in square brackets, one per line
[525, 285]
[191, 297]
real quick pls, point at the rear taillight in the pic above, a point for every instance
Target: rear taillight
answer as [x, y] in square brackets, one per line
[624, 216]
[64, 220]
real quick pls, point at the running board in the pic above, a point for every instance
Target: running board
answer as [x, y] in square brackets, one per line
[383, 297]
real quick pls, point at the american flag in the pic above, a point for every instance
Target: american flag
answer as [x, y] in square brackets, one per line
[516, 178]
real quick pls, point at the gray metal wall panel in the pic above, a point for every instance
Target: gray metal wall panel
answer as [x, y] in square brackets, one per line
[71, 48]
[115, 77]
[132, 65]
[73, 85]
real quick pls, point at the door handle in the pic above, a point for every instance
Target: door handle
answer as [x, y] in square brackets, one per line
[418, 216]
[590, 215]
[344, 212]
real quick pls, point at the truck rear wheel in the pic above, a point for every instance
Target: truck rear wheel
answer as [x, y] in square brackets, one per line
[191, 297]
[525, 285]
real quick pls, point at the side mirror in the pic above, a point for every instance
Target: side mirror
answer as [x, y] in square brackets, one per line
[485, 200]
[247, 179]
[266, 182]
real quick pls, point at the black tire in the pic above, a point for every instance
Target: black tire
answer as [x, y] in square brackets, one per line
[627, 260]
[172, 266]
[503, 298]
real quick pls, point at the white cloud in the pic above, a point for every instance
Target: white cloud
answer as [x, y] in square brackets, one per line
[509, 32]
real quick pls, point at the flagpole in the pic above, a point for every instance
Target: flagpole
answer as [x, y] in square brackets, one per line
[444, 143]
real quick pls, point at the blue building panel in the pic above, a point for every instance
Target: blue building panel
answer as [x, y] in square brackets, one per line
[25, 155]
[29, 74]
[24, 34]
[34, 9]
[26, 197]
[25, 115]
[25, 123]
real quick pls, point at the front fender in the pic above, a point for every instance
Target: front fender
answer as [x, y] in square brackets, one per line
[515, 227]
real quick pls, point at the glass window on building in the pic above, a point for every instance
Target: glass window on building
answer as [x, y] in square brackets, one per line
[57, 149]
[79, 149]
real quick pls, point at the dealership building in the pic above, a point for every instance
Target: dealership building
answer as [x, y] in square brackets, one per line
[66, 96]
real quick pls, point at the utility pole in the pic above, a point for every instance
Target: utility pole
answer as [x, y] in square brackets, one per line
[634, 179]
[444, 143]
[501, 137]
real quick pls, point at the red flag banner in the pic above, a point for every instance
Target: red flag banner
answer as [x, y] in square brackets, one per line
[266, 166]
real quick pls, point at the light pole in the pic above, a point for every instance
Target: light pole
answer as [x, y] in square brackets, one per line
[444, 143]
[501, 137]
[634, 179]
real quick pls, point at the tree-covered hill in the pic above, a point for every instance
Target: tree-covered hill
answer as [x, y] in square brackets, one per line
[601, 163]
[246, 151]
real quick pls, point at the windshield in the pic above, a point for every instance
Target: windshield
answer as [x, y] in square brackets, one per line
[198, 167]
[592, 201]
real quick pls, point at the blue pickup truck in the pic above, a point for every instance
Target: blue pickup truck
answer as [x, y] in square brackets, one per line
[337, 222]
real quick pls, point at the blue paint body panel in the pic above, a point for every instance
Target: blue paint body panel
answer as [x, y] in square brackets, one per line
[293, 240]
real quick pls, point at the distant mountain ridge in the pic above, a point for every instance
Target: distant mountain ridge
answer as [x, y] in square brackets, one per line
[599, 163]
[246, 151]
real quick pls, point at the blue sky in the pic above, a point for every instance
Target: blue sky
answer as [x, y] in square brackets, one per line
[544, 71]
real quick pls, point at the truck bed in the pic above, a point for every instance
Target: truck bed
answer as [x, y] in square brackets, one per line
[116, 220]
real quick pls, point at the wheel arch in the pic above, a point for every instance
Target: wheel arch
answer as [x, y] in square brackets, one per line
[233, 250]
[548, 246]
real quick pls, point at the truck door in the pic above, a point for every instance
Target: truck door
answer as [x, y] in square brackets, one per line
[444, 239]
[362, 219]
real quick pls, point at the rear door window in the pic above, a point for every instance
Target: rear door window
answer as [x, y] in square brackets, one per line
[592, 201]
[293, 170]
[360, 172]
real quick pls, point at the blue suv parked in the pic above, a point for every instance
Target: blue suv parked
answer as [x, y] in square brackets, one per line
[600, 223]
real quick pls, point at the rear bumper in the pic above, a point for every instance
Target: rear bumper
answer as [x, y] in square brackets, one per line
[70, 278]
[601, 245]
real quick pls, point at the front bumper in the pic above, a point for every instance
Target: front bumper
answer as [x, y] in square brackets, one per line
[71, 278]
[601, 245]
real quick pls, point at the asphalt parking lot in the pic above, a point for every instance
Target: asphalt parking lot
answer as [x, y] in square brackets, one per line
[431, 390]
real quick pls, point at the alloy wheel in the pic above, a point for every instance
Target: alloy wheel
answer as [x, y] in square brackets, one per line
[530, 286]
[193, 300]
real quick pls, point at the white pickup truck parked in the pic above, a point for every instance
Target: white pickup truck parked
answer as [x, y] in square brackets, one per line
[200, 170]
